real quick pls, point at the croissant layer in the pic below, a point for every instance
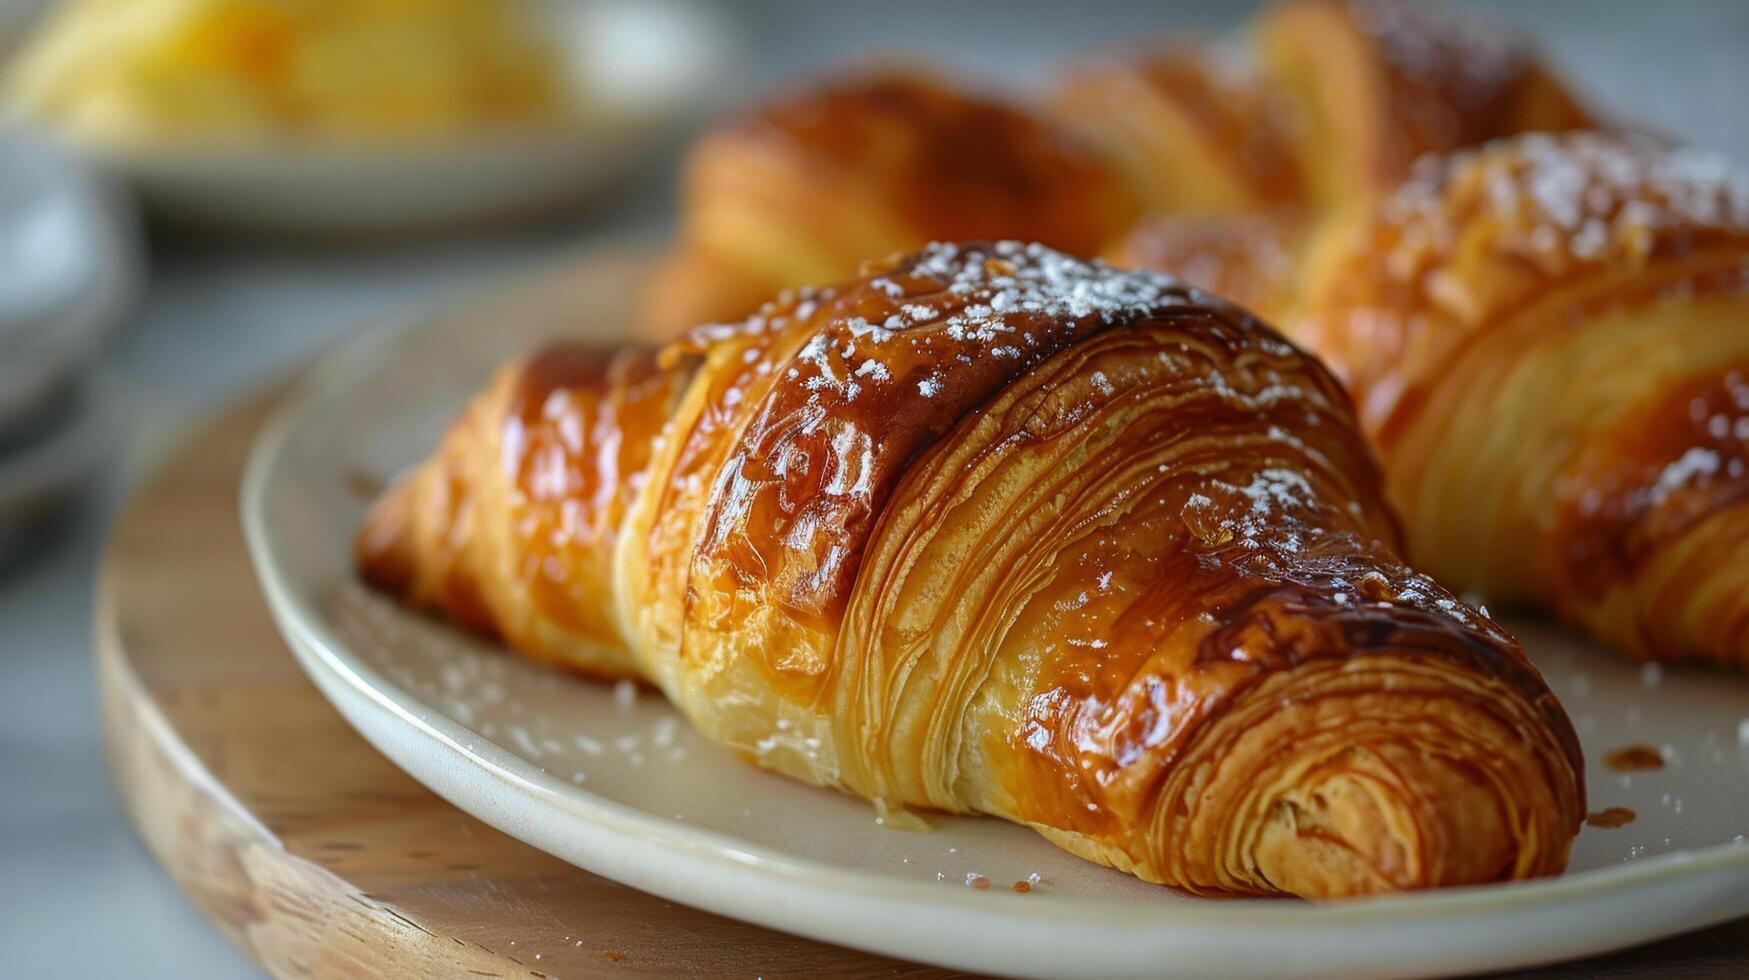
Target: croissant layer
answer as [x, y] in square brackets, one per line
[994, 530]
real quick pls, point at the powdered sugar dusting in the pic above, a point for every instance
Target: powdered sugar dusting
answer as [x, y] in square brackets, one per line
[1275, 526]
[1697, 462]
[874, 370]
[1584, 197]
[1275, 487]
[952, 305]
[1030, 278]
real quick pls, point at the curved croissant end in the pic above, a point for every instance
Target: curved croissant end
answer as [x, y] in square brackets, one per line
[1382, 82]
[805, 189]
[995, 530]
[1192, 128]
[511, 528]
[1545, 338]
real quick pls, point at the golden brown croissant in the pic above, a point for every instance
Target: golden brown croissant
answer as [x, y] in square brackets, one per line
[1381, 82]
[806, 189]
[1546, 340]
[1192, 129]
[995, 530]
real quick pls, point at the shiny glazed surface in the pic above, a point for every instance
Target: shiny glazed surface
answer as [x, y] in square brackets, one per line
[996, 530]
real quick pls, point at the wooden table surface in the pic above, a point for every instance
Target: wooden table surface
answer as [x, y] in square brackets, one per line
[317, 856]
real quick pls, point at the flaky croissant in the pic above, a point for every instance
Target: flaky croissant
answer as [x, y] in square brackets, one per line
[805, 189]
[994, 530]
[1548, 340]
[1379, 83]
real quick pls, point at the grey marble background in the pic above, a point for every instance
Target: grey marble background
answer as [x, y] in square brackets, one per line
[79, 895]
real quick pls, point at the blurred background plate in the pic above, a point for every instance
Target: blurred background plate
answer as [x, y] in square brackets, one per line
[641, 70]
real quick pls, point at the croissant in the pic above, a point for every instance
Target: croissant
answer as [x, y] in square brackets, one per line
[1546, 342]
[1379, 83]
[994, 530]
[805, 189]
[1192, 128]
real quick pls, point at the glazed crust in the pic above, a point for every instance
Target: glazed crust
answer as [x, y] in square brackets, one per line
[1544, 338]
[995, 530]
[805, 189]
[512, 527]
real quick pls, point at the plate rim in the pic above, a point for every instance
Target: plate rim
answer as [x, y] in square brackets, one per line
[326, 657]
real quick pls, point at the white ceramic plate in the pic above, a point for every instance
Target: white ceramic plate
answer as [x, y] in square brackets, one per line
[621, 786]
[644, 66]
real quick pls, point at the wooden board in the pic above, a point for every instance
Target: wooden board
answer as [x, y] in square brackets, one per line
[318, 857]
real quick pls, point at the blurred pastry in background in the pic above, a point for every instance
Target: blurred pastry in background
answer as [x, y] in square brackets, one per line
[148, 72]
[804, 189]
[1326, 111]
[1254, 258]
[1192, 126]
[1379, 83]
[1260, 162]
